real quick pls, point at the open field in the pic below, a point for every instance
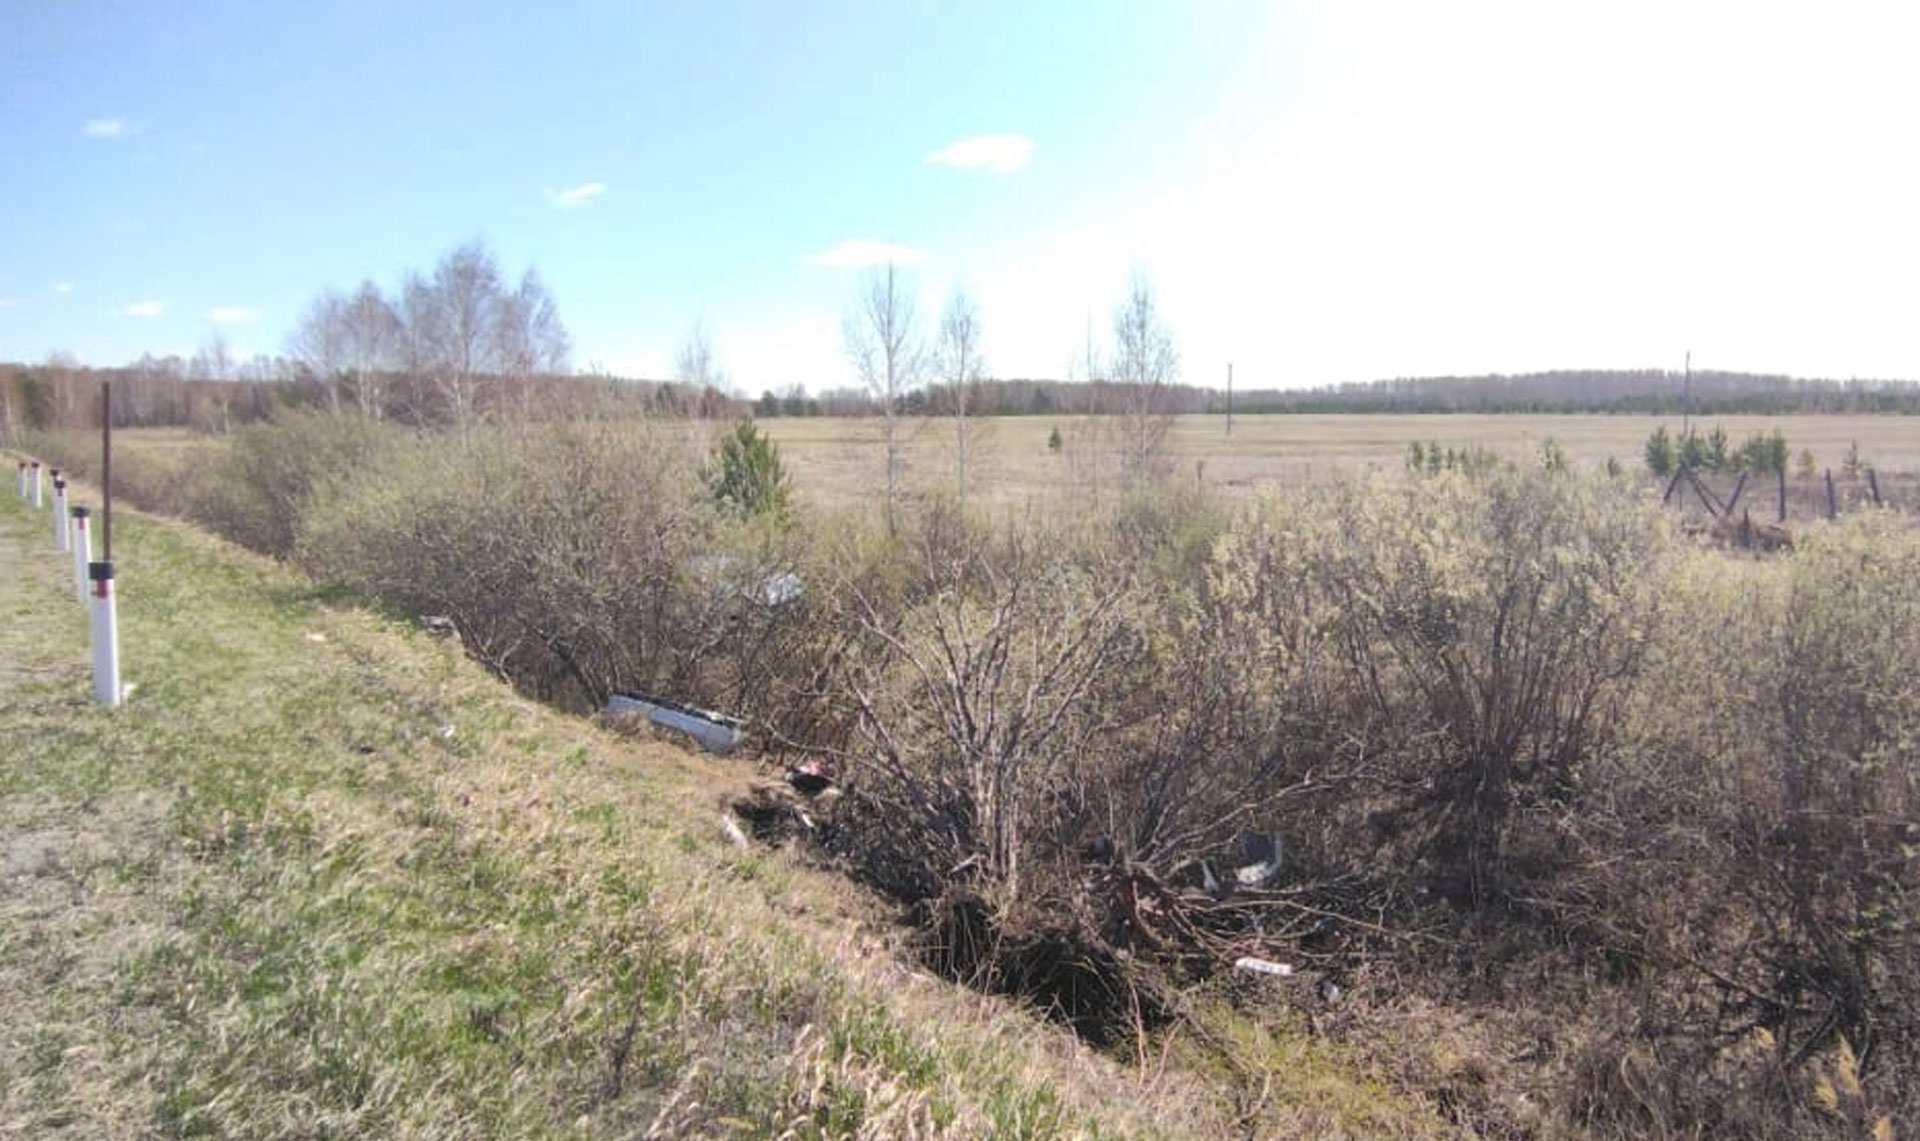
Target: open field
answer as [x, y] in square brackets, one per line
[839, 459]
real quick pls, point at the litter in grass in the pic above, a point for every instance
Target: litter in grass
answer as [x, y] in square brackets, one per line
[716, 732]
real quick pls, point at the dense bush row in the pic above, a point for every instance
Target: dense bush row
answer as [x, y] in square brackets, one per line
[1664, 796]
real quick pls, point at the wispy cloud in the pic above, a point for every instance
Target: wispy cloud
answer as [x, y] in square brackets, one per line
[105, 128]
[859, 253]
[6, 302]
[142, 309]
[63, 287]
[576, 197]
[232, 314]
[995, 154]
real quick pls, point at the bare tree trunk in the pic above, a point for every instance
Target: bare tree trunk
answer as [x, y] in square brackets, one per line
[884, 346]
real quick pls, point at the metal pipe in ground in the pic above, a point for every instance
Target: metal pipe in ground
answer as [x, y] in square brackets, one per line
[38, 501]
[60, 520]
[106, 636]
[82, 552]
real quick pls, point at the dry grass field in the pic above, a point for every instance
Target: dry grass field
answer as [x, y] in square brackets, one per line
[838, 460]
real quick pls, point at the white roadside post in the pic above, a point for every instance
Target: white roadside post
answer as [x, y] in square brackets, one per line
[38, 502]
[82, 552]
[106, 636]
[60, 522]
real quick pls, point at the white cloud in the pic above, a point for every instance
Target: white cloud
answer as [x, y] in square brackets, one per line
[995, 154]
[576, 197]
[232, 314]
[6, 302]
[142, 309]
[859, 253]
[105, 128]
[63, 287]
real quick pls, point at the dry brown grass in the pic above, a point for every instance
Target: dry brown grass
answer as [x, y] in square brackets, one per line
[838, 460]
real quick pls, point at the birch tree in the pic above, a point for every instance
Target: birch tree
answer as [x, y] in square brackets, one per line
[698, 364]
[371, 334]
[1145, 365]
[883, 344]
[961, 365]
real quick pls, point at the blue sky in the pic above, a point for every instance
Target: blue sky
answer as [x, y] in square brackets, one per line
[1320, 192]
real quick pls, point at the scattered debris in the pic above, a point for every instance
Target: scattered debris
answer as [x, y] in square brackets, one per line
[1256, 866]
[775, 811]
[731, 830]
[1260, 856]
[748, 582]
[1262, 966]
[439, 626]
[716, 732]
[812, 777]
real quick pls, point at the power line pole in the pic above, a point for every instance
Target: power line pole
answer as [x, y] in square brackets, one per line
[1229, 398]
[1686, 398]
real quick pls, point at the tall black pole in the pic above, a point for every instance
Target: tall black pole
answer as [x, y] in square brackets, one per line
[106, 471]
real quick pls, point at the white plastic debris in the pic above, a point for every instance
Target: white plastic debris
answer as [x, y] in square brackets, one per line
[716, 732]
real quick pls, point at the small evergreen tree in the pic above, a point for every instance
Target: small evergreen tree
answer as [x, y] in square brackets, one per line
[1693, 451]
[1764, 455]
[1777, 452]
[746, 476]
[1716, 457]
[1660, 452]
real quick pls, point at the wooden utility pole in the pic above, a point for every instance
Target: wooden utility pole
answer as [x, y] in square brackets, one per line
[1686, 398]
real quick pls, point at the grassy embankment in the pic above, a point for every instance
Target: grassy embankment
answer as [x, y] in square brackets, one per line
[321, 876]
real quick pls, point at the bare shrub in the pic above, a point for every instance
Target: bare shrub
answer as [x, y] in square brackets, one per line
[576, 560]
[970, 703]
[258, 485]
[1043, 735]
[1760, 831]
[1494, 625]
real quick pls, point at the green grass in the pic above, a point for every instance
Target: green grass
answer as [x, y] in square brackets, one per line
[320, 876]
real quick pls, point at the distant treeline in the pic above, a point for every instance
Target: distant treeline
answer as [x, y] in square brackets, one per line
[1571, 391]
[1590, 390]
[165, 392]
[212, 394]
